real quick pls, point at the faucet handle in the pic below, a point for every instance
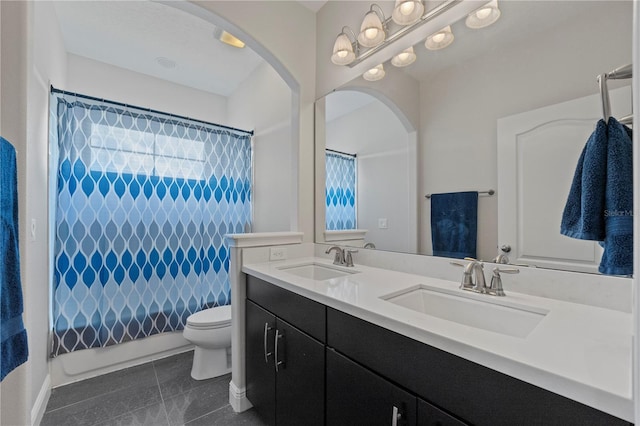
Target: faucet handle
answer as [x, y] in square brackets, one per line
[348, 258]
[507, 271]
[467, 279]
[496, 281]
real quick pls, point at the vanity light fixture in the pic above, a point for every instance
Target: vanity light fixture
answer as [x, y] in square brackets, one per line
[404, 58]
[343, 53]
[374, 74]
[484, 16]
[440, 40]
[377, 33]
[407, 12]
[372, 31]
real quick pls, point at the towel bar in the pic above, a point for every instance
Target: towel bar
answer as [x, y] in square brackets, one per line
[489, 192]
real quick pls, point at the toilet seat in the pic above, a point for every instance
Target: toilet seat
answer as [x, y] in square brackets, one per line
[211, 318]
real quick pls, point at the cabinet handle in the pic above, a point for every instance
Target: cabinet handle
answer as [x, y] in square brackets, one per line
[266, 354]
[395, 416]
[279, 335]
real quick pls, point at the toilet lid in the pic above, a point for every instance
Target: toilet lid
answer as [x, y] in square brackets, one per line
[212, 317]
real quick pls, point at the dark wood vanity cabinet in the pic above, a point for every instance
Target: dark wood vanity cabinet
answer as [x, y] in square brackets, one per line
[358, 396]
[469, 391]
[285, 366]
[375, 376]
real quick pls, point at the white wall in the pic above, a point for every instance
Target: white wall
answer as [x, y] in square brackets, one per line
[263, 103]
[14, 25]
[283, 32]
[385, 196]
[380, 140]
[101, 80]
[460, 105]
[47, 66]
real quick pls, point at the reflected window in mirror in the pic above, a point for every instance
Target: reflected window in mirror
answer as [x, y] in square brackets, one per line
[340, 190]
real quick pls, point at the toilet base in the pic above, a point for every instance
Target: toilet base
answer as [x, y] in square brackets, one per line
[209, 363]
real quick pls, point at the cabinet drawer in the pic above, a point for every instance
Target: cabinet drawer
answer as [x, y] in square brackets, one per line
[476, 393]
[357, 396]
[305, 314]
[430, 415]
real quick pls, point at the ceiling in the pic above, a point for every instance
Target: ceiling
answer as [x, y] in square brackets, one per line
[157, 40]
[313, 5]
[519, 21]
[143, 36]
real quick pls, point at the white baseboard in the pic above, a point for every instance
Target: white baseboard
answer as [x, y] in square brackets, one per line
[238, 398]
[39, 407]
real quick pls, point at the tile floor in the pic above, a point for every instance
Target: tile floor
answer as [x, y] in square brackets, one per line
[158, 393]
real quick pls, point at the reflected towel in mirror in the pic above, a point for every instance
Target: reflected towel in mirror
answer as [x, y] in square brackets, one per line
[454, 224]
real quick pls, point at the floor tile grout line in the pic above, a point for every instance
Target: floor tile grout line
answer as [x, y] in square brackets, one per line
[206, 414]
[164, 406]
[102, 395]
[92, 397]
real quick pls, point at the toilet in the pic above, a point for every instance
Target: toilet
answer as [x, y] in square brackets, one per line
[210, 331]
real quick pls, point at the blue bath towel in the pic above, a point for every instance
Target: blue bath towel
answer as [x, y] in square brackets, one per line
[600, 202]
[454, 224]
[13, 336]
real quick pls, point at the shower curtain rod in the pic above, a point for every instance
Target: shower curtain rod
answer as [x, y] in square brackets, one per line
[181, 117]
[341, 153]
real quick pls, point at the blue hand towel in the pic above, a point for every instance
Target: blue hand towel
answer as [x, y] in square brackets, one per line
[454, 224]
[583, 216]
[13, 336]
[600, 202]
[617, 258]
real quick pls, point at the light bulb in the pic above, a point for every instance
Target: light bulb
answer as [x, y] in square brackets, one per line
[374, 74]
[483, 17]
[371, 33]
[439, 37]
[407, 8]
[403, 56]
[483, 13]
[342, 53]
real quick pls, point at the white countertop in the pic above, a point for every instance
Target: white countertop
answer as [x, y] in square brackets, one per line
[578, 351]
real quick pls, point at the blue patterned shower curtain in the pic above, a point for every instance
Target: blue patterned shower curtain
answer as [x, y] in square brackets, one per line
[144, 201]
[340, 191]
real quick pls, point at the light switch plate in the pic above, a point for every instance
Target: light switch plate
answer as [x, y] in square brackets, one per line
[382, 223]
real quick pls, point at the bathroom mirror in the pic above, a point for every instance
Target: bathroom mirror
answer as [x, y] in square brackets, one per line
[537, 55]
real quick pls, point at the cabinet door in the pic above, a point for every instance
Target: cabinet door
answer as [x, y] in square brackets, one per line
[430, 415]
[299, 377]
[261, 379]
[357, 396]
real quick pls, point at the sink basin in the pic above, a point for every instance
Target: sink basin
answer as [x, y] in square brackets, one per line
[492, 314]
[317, 271]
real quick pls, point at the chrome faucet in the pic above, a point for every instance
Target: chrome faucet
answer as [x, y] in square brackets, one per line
[342, 257]
[339, 256]
[473, 278]
[475, 269]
